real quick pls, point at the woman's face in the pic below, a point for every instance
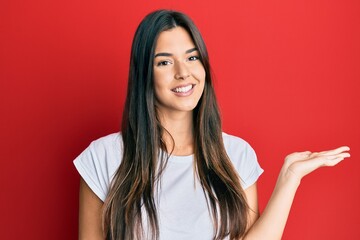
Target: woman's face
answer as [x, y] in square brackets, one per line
[179, 75]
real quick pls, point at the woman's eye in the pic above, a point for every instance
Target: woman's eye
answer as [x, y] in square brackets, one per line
[163, 63]
[193, 58]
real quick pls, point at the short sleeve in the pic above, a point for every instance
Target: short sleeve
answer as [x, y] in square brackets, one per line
[97, 164]
[250, 169]
[244, 159]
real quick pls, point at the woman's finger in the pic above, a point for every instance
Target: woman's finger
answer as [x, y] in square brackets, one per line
[333, 162]
[333, 151]
[343, 155]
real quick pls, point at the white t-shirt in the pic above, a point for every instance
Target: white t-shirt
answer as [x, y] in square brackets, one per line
[181, 204]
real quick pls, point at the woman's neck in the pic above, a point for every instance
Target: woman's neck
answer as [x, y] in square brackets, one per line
[180, 127]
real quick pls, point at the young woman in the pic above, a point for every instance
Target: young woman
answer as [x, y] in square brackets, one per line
[172, 173]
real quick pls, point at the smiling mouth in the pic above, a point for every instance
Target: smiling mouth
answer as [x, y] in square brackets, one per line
[183, 89]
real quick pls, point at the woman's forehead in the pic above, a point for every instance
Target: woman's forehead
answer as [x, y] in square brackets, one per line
[174, 40]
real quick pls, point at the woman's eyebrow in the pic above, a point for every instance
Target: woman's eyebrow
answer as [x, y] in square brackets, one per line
[164, 54]
[191, 50]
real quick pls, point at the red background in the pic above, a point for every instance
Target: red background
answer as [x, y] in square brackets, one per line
[287, 79]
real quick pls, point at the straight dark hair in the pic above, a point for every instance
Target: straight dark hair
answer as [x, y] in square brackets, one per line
[132, 188]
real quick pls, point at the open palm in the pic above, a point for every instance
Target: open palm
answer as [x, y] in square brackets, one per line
[299, 164]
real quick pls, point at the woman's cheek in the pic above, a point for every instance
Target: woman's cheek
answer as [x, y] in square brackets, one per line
[199, 74]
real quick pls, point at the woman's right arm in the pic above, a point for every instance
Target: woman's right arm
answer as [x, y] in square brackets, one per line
[90, 212]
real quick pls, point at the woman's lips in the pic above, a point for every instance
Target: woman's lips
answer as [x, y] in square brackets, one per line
[184, 90]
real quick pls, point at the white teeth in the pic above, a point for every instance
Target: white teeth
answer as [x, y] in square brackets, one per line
[183, 89]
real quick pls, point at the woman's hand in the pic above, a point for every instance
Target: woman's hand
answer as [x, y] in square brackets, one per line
[299, 164]
[272, 221]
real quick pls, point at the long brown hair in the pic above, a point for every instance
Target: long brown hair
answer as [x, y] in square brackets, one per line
[132, 188]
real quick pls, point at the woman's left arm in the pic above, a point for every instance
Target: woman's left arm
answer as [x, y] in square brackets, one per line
[270, 225]
[252, 200]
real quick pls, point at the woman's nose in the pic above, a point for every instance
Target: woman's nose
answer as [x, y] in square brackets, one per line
[182, 71]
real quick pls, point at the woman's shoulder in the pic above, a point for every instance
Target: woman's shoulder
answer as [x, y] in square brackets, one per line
[103, 150]
[99, 161]
[108, 142]
[232, 143]
[107, 145]
[244, 159]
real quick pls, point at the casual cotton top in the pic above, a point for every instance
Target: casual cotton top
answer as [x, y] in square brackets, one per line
[181, 203]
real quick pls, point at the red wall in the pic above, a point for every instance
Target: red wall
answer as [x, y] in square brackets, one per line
[287, 79]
